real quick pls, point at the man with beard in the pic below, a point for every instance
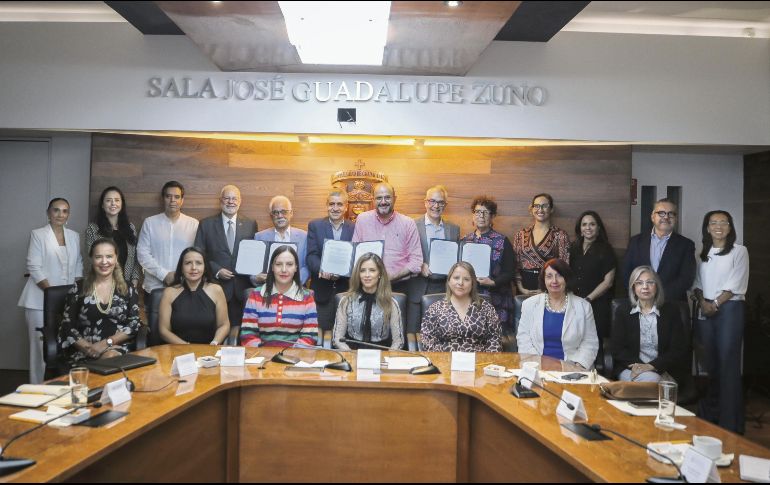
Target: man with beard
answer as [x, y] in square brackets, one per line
[403, 253]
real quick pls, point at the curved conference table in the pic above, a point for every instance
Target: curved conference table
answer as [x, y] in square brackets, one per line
[251, 424]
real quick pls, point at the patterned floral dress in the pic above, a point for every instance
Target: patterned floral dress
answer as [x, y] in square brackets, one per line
[444, 331]
[83, 320]
[502, 271]
[531, 257]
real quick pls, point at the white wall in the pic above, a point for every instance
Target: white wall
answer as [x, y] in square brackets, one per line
[635, 88]
[709, 182]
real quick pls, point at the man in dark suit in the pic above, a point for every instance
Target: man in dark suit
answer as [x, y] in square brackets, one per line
[326, 285]
[429, 226]
[219, 236]
[671, 255]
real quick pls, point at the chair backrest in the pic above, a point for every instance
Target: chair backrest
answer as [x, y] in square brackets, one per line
[400, 298]
[518, 300]
[153, 317]
[427, 301]
[54, 298]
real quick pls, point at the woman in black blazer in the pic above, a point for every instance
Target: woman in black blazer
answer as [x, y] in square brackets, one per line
[648, 338]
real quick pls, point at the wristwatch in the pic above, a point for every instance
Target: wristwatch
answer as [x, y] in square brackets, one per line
[109, 342]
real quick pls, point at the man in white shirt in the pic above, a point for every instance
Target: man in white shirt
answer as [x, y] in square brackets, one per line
[219, 237]
[162, 239]
[281, 214]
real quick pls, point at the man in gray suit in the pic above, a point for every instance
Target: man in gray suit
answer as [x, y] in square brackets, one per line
[281, 213]
[219, 236]
[430, 226]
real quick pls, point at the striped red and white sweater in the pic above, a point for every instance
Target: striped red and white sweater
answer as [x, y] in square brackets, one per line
[291, 316]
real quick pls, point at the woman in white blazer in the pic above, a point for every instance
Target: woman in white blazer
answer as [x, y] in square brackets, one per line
[557, 323]
[53, 259]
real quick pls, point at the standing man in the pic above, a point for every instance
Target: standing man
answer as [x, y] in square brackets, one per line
[671, 255]
[430, 226]
[327, 285]
[219, 236]
[162, 239]
[403, 254]
[281, 214]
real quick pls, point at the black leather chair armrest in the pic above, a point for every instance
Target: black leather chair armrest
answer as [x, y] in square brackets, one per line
[141, 337]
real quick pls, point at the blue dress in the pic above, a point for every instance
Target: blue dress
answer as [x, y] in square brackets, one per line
[552, 327]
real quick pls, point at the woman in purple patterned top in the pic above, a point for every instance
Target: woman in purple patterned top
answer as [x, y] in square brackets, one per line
[498, 286]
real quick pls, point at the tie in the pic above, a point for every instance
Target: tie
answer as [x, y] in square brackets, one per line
[230, 236]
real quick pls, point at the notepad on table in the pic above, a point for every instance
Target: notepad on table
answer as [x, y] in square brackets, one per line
[754, 469]
[33, 395]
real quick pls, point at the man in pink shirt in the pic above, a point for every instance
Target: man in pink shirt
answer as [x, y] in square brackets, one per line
[403, 252]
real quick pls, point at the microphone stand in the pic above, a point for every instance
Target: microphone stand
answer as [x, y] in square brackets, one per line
[342, 365]
[570, 406]
[418, 371]
[12, 465]
[679, 479]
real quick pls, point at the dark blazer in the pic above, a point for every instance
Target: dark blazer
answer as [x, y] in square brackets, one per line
[418, 284]
[319, 230]
[673, 351]
[676, 269]
[211, 238]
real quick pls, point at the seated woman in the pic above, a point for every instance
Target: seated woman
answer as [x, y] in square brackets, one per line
[557, 323]
[193, 310]
[368, 311]
[648, 339]
[101, 320]
[462, 321]
[281, 311]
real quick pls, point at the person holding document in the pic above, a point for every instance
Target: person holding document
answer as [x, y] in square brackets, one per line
[194, 309]
[462, 321]
[430, 226]
[498, 285]
[368, 312]
[281, 310]
[281, 213]
[557, 323]
[403, 254]
[103, 318]
[336, 227]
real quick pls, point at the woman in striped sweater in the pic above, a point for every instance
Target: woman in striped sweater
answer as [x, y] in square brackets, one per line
[280, 311]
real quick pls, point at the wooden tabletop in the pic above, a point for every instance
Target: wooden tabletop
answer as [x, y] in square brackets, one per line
[63, 452]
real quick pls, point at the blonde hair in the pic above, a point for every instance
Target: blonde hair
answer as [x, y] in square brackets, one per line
[384, 295]
[121, 287]
[635, 274]
[475, 298]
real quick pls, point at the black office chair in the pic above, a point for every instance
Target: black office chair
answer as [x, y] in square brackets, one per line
[54, 299]
[401, 299]
[152, 317]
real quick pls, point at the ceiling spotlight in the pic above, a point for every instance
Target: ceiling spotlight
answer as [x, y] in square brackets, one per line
[453, 3]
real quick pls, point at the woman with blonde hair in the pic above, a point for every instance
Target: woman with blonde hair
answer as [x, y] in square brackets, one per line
[462, 321]
[368, 312]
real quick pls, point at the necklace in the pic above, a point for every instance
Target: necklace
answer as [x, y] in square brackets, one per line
[104, 310]
[550, 309]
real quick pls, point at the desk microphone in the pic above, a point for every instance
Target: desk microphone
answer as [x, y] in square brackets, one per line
[679, 479]
[129, 383]
[418, 371]
[517, 389]
[12, 465]
[343, 364]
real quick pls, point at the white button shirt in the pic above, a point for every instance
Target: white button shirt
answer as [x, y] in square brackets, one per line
[161, 241]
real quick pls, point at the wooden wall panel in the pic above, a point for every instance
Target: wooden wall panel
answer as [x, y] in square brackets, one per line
[578, 177]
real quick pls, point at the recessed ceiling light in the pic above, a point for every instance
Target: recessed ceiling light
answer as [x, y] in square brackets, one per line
[453, 3]
[341, 33]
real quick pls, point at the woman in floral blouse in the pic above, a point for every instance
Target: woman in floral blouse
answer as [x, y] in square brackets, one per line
[462, 321]
[103, 318]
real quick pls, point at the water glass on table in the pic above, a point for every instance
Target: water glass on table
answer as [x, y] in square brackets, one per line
[79, 386]
[667, 395]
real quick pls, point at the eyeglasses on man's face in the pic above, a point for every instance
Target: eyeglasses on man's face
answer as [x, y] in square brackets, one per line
[664, 214]
[280, 213]
[437, 203]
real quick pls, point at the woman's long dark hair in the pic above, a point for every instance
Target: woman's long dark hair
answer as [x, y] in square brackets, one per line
[179, 273]
[601, 236]
[708, 241]
[105, 228]
[270, 282]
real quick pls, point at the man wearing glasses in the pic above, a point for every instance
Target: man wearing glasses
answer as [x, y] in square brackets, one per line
[281, 214]
[431, 225]
[402, 254]
[219, 236]
[671, 255]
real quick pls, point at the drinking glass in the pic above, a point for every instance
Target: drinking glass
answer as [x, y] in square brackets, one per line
[667, 391]
[79, 386]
